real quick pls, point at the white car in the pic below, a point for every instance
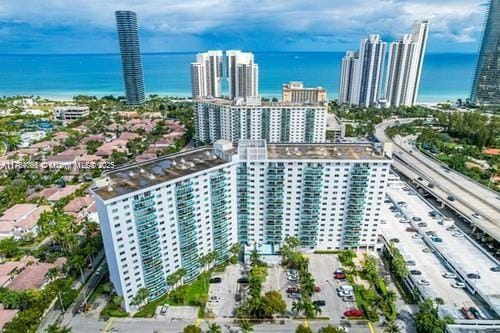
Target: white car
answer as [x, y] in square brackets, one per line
[424, 282]
[457, 234]
[449, 275]
[459, 285]
[214, 299]
[477, 216]
[416, 236]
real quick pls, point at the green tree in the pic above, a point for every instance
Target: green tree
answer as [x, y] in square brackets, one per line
[9, 248]
[246, 326]
[303, 329]
[192, 329]
[273, 303]
[141, 296]
[54, 328]
[78, 262]
[214, 328]
[331, 329]
[392, 327]
[427, 318]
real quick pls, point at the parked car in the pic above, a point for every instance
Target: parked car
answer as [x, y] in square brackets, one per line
[475, 312]
[214, 299]
[292, 278]
[402, 204]
[395, 240]
[242, 280]
[416, 218]
[436, 239]
[415, 272]
[458, 285]
[215, 280]
[467, 314]
[457, 234]
[416, 236]
[473, 276]
[294, 295]
[451, 198]
[339, 276]
[427, 250]
[422, 225]
[163, 310]
[353, 313]
[424, 282]
[292, 290]
[449, 275]
[411, 229]
[320, 302]
[411, 262]
[477, 216]
[349, 298]
[495, 269]
[317, 289]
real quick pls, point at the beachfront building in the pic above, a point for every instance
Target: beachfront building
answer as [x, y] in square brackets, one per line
[361, 73]
[164, 214]
[206, 75]
[70, 112]
[347, 76]
[486, 85]
[404, 66]
[294, 92]
[128, 36]
[242, 74]
[245, 119]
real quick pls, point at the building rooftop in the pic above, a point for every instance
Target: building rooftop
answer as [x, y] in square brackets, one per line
[241, 103]
[6, 315]
[133, 177]
[334, 151]
[136, 176]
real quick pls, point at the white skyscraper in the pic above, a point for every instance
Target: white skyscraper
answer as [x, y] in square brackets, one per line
[361, 75]
[162, 215]
[206, 74]
[347, 76]
[242, 74]
[404, 66]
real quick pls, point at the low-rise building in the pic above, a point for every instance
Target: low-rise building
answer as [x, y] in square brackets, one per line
[21, 220]
[70, 112]
[294, 92]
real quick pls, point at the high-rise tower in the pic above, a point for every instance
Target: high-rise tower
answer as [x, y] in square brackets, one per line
[206, 75]
[347, 76]
[126, 22]
[486, 85]
[404, 66]
[242, 74]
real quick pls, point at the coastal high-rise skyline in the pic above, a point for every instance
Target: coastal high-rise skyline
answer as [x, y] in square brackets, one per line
[404, 66]
[349, 65]
[242, 74]
[207, 74]
[486, 84]
[130, 51]
[363, 79]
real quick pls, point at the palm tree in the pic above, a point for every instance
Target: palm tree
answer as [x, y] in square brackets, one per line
[235, 249]
[298, 306]
[317, 309]
[214, 328]
[392, 327]
[53, 273]
[140, 297]
[246, 326]
[78, 262]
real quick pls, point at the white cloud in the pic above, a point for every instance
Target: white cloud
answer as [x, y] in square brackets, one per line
[454, 21]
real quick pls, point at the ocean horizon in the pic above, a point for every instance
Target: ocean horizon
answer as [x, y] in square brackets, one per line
[445, 76]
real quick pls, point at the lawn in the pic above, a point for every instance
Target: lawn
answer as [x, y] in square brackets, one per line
[194, 294]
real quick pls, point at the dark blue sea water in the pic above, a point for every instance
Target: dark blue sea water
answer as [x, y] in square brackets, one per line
[445, 75]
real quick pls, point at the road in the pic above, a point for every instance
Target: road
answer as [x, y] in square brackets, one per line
[469, 196]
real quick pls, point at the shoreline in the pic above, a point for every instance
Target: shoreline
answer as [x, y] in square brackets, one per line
[64, 97]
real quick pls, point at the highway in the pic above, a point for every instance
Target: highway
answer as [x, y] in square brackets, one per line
[469, 197]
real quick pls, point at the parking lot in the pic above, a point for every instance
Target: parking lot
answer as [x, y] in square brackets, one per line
[418, 253]
[222, 299]
[176, 312]
[322, 267]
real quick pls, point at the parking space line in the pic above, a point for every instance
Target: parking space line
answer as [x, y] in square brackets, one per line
[108, 324]
[370, 326]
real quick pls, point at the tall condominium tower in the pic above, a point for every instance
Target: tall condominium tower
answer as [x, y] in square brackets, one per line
[274, 122]
[162, 215]
[347, 75]
[361, 75]
[486, 85]
[206, 74]
[242, 74]
[404, 66]
[130, 51]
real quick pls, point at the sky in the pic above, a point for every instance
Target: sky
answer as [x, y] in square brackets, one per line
[88, 26]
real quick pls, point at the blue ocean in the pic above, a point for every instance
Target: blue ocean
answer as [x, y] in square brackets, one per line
[446, 76]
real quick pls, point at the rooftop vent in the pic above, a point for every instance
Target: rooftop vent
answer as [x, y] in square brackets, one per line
[174, 163]
[183, 160]
[110, 188]
[191, 164]
[142, 170]
[151, 176]
[131, 174]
